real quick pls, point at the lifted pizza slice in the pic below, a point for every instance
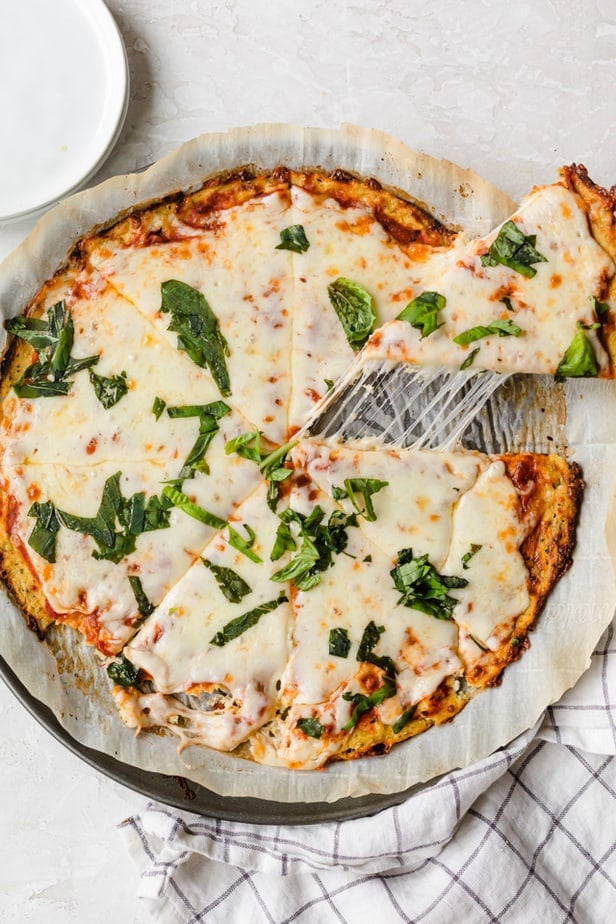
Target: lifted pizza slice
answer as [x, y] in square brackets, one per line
[534, 296]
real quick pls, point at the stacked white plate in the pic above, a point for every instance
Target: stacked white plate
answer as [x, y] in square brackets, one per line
[63, 99]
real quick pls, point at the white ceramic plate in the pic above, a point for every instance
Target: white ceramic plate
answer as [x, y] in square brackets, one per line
[63, 98]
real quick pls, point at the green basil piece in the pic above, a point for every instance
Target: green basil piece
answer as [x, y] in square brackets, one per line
[198, 331]
[158, 407]
[243, 545]
[422, 587]
[474, 548]
[477, 642]
[271, 464]
[404, 719]
[293, 238]
[209, 415]
[50, 375]
[144, 606]
[369, 640]
[184, 503]
[310, 727]
[240, 624]
[339, 642]
[602, 309]
[123, 672]
[470, 359]
[109, 390]
[499, 327]
[514, 249]
[355, 309]
[43, 537]
[422, 312]
[364, 703]
[579, 359]
[231, 584]
[366, 487]
[320, 542]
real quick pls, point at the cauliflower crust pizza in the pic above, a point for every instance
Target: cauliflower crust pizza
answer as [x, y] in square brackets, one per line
[248, 586]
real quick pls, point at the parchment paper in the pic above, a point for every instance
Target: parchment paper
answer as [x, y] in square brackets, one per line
[576, 614]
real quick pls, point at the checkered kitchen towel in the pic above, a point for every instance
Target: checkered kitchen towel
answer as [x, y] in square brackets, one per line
[527, 835]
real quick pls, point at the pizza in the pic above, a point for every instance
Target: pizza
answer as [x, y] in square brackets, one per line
[246, 585]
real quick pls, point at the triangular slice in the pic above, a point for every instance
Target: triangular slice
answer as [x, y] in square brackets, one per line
[358, 231]
[57, 572]
[533, 296]
[355, 600]
[404, 498]
[226, 650]
[94, 423]
[228, 257]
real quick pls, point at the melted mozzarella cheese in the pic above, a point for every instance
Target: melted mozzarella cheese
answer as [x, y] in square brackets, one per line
[489, 516]
[547, 307]
[175, 646]
[76, 429]
[245, 280]
[415, 508]
[346, 242]
[79, 583]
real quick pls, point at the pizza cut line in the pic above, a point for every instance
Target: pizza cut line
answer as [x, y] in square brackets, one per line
[249, 587]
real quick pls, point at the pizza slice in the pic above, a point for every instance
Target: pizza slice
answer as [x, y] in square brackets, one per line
[98, 547]
[534, 296]
[208, 273]
[207, 665]
[353, 268]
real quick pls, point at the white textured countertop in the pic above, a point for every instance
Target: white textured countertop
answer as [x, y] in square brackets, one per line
[512, 90]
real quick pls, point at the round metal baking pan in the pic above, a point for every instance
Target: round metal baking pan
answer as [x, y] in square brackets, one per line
[188, 796]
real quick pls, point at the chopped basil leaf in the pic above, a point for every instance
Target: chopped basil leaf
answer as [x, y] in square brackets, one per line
[231, 584]
[422, 312]
[310, 727]
[329, 384]
[284, 542]
[500, 327]
[43, 537]
[209, 415]
[339, 493]
[579, 359]
[507, 303]
[355, 309]
[339, 642]
[118, 520]
[468, 362]
[123, 672]
[320, 542]
[184, 503]
[478, 643]
[602, 309]
[293, 238]
[240, 624]
[514, 249]
[158, 407]
[468, 555]
[243, 545]
[197, 328]
[366, 487]
[109, 390]
[364, 703]
[271, 464]
[369, 640]
[422, 587]
[49, 375]
[144, 606]
[404, 719]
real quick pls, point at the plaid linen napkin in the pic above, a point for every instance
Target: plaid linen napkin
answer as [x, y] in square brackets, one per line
[528, 834]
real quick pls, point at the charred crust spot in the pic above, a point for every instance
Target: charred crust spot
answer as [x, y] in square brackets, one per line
[341, 176]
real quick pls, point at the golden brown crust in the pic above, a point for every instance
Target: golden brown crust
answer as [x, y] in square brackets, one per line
[550, 490]
[599, 205]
